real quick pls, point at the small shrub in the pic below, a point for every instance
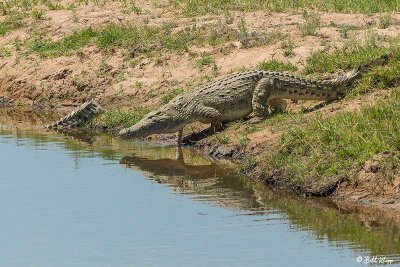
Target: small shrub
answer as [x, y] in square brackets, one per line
[344, 30]
[250, 129]
[247, 164]
[243, 33]
[243, 141]
[228, 17]
[138, 85]
[37, 14]
[287, 47]
[385, 21]
[312, 23]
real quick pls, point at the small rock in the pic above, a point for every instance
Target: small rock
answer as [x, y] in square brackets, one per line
[5, 102]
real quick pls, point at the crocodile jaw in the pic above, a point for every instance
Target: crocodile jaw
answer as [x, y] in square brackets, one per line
[158, 122]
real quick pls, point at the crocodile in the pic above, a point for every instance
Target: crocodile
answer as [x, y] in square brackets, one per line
[239, 94]
[229, 98]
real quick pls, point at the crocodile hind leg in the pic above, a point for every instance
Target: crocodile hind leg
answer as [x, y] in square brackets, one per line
[261, 93]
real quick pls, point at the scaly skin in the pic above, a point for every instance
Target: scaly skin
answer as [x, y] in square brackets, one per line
[79, 116]
[238, 95]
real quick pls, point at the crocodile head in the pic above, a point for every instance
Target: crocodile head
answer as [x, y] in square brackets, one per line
[163, 120]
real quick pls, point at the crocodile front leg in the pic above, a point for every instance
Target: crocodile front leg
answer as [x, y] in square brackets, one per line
[208, 115]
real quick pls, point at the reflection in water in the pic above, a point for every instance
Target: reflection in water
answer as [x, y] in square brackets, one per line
[16, 117]
[202, 179]
[342, 223]
[252, 207]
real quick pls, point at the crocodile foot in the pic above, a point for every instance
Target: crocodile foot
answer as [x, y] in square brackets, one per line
[255, 120]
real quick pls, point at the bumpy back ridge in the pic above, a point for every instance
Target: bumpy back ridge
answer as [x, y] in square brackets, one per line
[79, 116]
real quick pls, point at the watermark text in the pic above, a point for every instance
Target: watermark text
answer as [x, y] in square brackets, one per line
[374, 260]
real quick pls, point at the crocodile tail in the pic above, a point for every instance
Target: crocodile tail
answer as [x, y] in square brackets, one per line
[380, 61]
[79, 116]
[351, 76]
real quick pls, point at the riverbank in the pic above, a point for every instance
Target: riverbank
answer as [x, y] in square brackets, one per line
[56, 55]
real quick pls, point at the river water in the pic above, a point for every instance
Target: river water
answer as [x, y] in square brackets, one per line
[93, 200]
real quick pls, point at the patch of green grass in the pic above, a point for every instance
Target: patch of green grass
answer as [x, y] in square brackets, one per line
[203, 7]
[171, 94]
[144, 39]
[335, 146]
[65, 46]
[351, 55]
[10, 6]
[283, 121]
[4, 52]
[139, 39]
[114, 35]
[312, 22]
[12, 22]
[276, 65]
[221, 138]
[204, 60]
[118, 118]
[387, 76]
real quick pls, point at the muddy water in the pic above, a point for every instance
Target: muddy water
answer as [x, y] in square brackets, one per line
[93, 200]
